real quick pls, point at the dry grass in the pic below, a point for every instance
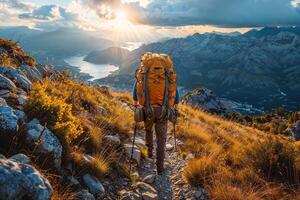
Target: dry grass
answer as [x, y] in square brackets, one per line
[237, 162]
[99, 166]
[200, 171]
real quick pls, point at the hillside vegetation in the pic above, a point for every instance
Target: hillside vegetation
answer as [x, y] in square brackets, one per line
[12, 55]
[233, 161]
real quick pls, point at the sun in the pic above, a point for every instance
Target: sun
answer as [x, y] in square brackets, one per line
[121, 16]
[121, 21]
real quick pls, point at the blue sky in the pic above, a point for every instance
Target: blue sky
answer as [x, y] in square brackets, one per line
[63, 3]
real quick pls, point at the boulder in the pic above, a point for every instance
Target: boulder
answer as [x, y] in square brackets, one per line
[22, 181]
[21, 158]
[94, 185]
[136, 153]
[294, 131]
[6, 84]
[20, 79]
[31, 72]
[8, 120]
[45, 141]
[84, 195]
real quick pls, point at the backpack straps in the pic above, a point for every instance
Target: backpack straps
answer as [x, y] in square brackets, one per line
[148, 108]
[166, 96]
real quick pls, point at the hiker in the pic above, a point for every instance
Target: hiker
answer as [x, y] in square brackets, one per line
[156, 97]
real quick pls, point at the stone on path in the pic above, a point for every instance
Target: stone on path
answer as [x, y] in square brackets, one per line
[94, 185]
[149, 179]
[147, 191]
[136, 156]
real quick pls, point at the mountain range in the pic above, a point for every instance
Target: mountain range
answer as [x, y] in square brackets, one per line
[260, 67]
[60, 43]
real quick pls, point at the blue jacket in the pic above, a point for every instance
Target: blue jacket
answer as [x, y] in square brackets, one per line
[134, 94]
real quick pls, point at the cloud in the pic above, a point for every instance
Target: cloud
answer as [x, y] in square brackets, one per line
[16, 4]
[225, 13]
[9, 11]
[222, 13]
[48, 12]
[93, 14]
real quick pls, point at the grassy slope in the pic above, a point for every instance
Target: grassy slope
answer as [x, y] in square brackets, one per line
[238, 162]
[12, 55]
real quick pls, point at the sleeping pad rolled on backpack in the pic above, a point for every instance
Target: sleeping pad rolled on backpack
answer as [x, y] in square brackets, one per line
[156, 82]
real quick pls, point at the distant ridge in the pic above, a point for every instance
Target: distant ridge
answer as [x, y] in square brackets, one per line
[270, 31]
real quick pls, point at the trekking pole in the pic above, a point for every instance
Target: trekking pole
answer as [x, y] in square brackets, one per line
[175, 143]
[132, 148]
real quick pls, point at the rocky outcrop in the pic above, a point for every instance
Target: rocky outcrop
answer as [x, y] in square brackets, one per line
[21, 80]
[47, 144]
[6, 84]
[31, 72]
[294, 131]
[19, 180]
[207, 100]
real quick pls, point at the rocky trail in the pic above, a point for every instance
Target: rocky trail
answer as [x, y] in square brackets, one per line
[171, 185]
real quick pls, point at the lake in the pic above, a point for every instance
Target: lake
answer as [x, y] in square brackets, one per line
[95, 70]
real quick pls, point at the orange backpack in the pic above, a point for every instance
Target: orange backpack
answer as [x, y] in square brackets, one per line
[156, 81]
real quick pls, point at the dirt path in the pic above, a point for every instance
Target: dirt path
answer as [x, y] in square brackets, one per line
[171, 185]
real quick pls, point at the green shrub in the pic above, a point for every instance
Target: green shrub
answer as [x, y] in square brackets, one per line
[53, 111]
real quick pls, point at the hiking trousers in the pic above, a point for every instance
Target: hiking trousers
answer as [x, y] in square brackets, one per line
[160, 122]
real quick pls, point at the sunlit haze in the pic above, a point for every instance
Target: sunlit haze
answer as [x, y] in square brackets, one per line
[149, 20]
